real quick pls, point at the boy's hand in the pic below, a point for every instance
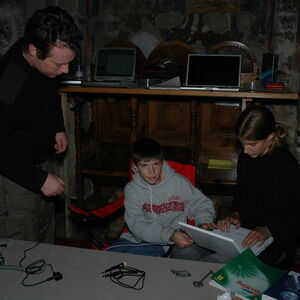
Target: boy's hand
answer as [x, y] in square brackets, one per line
[225, 223]
[208, 226]
[181, 239]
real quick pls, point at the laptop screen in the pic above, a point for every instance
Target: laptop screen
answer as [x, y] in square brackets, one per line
[116, 63]
[213, 70]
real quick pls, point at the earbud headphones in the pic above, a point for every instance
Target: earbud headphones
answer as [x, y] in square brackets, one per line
[135, 169]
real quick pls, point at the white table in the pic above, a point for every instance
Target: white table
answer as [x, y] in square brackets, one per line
[81, 270]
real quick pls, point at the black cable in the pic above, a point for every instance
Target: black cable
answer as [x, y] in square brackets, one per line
[37, 267]
[117, 275]
[24, 252]
[2, 258]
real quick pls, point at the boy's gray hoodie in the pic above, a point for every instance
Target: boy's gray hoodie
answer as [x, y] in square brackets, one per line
[152, 212]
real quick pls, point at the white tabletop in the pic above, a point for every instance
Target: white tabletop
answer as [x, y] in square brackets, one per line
[81, 270]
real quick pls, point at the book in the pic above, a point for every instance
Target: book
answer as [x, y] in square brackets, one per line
[287, 287]
[221, 164]
[274, 85]
[246, 276]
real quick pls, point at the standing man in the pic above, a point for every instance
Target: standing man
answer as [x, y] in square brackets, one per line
[31, 123]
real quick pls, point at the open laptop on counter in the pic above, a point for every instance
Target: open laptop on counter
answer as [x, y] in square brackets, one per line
[213, 72]
[114, 67]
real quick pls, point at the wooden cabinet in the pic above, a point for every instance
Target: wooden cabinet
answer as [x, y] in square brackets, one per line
[169, 122]
[172, 122]
[218, 141]
[105, 129]
[218, 138]
[192, 126]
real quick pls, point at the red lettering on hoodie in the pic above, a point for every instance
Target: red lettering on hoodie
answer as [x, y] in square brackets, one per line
[165, 207]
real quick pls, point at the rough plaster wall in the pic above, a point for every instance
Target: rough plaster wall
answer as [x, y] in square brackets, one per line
[149, 22]
[146, 23]
[11, 23]
[14, 14]
[284, 41]
[285, 45]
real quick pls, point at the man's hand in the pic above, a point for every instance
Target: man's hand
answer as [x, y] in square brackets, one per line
[258, 235]
[181, 239]
[61, 142]
[224, 224]
[53, 186]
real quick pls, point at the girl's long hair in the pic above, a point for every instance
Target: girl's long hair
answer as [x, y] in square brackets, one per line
[257, 123]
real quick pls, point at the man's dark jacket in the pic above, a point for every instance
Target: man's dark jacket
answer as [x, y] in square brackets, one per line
[30, 116]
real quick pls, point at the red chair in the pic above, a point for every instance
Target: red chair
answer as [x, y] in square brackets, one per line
[88, 218]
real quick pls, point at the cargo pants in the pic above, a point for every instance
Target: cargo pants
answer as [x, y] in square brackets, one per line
[25, 215]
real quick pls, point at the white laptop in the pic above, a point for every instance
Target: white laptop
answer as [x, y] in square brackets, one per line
[227, 243]
[213, 72]
[114, 67]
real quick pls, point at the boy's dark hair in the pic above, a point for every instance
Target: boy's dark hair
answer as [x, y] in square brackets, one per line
[146, 149]
[50, 26]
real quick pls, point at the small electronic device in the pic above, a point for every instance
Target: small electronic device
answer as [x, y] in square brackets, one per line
[269, 67]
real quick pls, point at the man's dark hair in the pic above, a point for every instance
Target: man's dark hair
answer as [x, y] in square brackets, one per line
[51, 26]
[146, 149]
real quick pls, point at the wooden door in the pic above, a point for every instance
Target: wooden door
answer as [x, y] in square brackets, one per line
[217, 131]
[174, 125]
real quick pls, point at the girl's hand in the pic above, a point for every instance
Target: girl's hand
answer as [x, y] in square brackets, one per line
[258, 235]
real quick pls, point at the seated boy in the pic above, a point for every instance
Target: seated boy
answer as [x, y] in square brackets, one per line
[155, 201]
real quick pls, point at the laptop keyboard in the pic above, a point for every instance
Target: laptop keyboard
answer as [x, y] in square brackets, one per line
[195, 88]
[102, 83]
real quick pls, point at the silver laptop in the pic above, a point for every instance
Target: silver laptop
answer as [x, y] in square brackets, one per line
[114, 67]
[227, 243]
[213, 72]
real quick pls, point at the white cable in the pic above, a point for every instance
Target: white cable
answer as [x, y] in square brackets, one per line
[137, 245]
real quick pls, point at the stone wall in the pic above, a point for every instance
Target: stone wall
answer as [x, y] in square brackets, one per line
[263, 26]
[11, 23]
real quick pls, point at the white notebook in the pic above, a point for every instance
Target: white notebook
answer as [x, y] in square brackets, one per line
[227, 243]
